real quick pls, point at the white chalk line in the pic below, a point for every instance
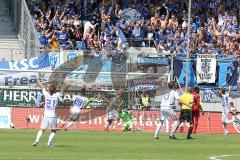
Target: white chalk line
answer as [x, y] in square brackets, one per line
[68, 159]
[221, 156]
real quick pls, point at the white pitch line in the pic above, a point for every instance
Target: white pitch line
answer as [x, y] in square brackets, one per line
[219, 157]
[66, 159]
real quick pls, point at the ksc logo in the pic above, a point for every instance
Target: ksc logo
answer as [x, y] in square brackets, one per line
[207, 95]
[24, 64]
[206, 66]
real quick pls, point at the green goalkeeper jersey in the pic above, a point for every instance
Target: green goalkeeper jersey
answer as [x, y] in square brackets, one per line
[126, 116]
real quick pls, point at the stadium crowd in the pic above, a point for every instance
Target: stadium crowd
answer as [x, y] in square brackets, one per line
[105, 25]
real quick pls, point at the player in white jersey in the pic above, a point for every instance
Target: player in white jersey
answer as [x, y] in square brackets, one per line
[167, 111]
[224, 95]
[79, 102]
[49, 118]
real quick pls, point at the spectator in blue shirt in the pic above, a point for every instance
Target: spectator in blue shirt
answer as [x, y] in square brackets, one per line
[38, 30]
[56, 22]
[74, 45]
[62, 37]
[43, 39]
[137, 31]
[122, 23]
[96, 53]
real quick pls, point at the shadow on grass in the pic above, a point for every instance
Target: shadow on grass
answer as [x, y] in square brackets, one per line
[66, 146]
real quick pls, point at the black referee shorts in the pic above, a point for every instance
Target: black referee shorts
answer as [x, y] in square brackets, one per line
[186, 115]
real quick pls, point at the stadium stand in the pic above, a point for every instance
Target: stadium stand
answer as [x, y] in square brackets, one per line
[81, 25]
[6, 26]
[11, 47]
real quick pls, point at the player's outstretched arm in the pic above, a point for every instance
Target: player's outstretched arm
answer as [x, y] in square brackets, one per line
[40, 83]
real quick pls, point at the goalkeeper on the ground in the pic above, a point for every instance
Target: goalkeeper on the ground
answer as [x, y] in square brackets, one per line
[127, 118]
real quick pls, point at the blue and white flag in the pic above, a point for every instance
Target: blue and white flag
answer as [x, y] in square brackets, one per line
[226, 71]
[206, 68]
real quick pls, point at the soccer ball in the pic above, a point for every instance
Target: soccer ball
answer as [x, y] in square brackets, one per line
[233, 110]
[12, 125]
[238, 116]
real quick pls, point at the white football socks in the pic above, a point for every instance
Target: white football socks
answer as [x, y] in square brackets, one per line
[175, 126]
[159, 125]
[51, 136]
[39, 134]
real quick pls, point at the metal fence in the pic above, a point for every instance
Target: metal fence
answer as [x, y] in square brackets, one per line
[23, 24]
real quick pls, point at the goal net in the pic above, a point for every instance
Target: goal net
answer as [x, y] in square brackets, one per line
[20, 92]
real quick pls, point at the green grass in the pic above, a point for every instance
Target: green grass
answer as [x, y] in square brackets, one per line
[92, 145]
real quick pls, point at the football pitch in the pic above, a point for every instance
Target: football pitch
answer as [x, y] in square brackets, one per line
[96, 145]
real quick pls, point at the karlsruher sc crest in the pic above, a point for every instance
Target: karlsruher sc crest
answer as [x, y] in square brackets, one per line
[206, 66]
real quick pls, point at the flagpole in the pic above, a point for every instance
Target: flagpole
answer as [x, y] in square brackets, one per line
[188, 40]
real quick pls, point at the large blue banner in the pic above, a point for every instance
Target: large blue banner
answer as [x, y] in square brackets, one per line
[25, 64]
[180, 68]
[226, 72]
[59, 61]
